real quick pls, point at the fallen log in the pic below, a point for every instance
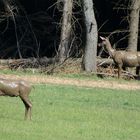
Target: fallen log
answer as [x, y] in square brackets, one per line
[28, 63]
[45, 60]
[106, 66]
[105, 62]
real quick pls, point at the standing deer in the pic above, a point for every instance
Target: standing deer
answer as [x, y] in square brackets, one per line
[17, 88]
[121, 58]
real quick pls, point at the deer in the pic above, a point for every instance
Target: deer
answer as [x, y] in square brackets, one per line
[121, 58]
[17, 88]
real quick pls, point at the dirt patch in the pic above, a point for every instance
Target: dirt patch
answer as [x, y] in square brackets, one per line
[76, 82]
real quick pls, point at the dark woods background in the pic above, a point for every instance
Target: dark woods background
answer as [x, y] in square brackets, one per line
[34, 26]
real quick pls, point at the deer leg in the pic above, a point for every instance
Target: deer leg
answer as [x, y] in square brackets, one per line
[119, 71]
[137, 70]
[26, 110]
[28, 107]
[1, 93]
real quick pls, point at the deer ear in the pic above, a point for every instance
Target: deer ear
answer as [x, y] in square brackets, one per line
[102, 38]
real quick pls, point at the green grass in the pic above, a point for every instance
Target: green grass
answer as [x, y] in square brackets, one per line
[79, 76]
[72, 113]
[20, 72]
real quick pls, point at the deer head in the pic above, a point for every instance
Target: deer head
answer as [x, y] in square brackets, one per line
[104, 41]
[107, 45]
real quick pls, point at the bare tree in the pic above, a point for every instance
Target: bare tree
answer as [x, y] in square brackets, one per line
[89, 59]
[134, 25]
[10, 9]
[66, 30]
[133, 28]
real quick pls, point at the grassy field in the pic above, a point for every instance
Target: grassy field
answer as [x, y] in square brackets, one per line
[72, 113]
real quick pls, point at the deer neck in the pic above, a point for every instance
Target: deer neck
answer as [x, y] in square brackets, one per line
[109, 48]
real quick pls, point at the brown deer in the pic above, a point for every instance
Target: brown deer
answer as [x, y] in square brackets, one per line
[121, 58]
[17, 88]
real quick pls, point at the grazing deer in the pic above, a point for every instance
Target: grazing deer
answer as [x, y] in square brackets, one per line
[17, 88]
[121, 58]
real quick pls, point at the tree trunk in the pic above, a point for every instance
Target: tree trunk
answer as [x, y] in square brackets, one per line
[134, 25]
[66, 30]
[133, 29]
[89, 59]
